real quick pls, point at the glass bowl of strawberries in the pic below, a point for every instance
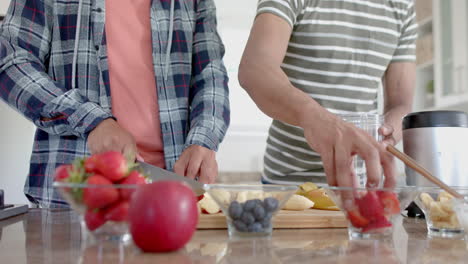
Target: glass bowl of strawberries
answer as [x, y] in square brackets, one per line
[371, 212]
[99, 188]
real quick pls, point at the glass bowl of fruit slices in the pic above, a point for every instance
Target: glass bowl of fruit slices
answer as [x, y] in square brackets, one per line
[250, 208]
[440, 210]
[461, 209]
[371, 212]
[99, 188]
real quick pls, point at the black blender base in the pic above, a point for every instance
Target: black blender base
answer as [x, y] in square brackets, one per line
[414, 211]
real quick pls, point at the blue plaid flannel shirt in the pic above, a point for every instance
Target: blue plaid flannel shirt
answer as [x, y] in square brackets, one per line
[37, 40]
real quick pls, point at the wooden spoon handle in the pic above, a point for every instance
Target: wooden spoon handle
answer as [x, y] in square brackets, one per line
[410, 162]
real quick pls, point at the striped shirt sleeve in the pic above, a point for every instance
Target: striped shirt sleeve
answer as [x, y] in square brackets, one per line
[285, 9]
[406, 49]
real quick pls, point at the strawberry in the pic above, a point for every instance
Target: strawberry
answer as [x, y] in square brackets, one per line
[389, 201]
[99, 197]
[62, 172]
[90, 164]
[134, 177]
[94, 219]
[370, 206]
[117, 212]
[380, 222]
[112, 165]
[356, 219]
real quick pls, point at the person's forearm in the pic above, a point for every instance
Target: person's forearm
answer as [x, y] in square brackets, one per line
[399, 91]
[271, 90]
[209, 93]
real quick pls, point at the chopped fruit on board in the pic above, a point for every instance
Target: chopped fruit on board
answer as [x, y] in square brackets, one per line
[317, 195]
[208, 205]
[298, 203]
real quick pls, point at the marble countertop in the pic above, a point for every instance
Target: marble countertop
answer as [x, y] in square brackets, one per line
[43, 236]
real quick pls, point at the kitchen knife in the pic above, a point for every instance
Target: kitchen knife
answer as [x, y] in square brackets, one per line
[158, 174]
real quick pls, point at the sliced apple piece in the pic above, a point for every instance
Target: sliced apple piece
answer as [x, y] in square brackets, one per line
[222, 196]
[298, 203]
[208, 205]
[444, 196]
[321, 199]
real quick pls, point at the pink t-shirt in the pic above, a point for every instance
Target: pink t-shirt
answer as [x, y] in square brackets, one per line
[132, 78]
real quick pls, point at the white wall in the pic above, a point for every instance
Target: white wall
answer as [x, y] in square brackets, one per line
[4, 6]
[16, 136]
[245, 142]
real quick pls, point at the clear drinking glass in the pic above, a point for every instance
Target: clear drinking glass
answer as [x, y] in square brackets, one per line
[371, 124]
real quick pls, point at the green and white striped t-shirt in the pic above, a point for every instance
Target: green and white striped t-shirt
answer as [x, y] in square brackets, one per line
[338, 53]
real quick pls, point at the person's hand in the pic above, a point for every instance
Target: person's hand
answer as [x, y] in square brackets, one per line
[109, 135]
[197, 161]
[386, 131]
[338, 141]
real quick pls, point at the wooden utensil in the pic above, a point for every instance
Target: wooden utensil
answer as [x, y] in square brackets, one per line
[410, 162]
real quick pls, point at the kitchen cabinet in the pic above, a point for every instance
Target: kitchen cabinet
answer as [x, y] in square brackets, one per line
[442, 55]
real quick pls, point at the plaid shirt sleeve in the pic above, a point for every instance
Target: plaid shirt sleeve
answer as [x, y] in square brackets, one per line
[25, 41]
[209, 118]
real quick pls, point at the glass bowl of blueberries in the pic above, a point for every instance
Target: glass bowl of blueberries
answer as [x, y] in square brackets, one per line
[250, 208]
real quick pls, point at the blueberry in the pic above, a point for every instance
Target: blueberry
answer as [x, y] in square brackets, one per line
[258, 202]
[249, 205]
[270, 204]
[255, 227]
[259, 212]
[266, 223]
[247, 218]
[240, 226]
[235, 210]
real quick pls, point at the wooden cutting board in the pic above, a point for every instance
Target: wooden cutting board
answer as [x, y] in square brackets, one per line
[311, 218]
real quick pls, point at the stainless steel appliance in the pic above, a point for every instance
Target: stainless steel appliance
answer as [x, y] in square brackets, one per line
[438, 140]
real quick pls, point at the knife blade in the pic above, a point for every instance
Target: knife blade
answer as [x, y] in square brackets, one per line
[159, 174]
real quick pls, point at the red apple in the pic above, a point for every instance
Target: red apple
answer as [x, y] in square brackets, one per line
[163, 216]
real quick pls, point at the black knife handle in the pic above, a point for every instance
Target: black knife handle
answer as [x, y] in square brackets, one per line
[2, 199]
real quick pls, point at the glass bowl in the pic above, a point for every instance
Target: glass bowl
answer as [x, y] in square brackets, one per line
[108, 223]
[372, 213]
[439, 209]
[250, 208]
[461, 209]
